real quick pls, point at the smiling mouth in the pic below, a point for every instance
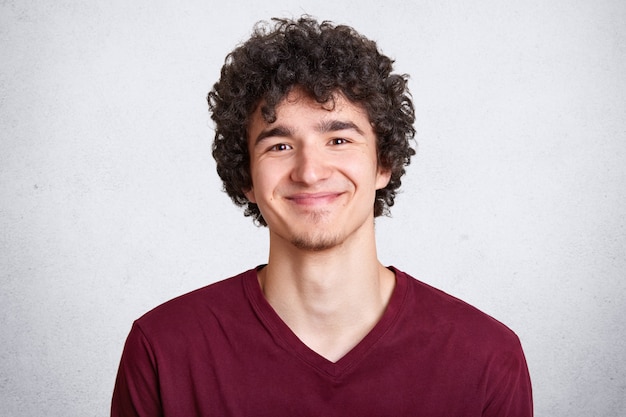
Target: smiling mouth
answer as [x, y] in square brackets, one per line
[314, 199]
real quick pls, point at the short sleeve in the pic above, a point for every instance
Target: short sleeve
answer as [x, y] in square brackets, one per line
[509, 391]
[136, 392]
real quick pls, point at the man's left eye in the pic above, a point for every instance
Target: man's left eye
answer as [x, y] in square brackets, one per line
[338, 141]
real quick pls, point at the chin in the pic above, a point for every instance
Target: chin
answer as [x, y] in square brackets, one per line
[316, 243]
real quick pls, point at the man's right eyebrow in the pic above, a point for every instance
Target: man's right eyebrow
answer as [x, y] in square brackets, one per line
[278, 131]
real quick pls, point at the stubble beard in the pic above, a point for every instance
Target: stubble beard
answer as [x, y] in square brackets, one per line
[317, 240]
[315, 243]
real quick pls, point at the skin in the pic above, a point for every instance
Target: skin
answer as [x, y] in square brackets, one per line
[315, 174]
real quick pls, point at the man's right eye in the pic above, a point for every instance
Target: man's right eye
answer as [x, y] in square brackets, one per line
[280, 147]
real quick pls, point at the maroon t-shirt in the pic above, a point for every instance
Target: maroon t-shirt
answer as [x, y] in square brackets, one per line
[223, 351]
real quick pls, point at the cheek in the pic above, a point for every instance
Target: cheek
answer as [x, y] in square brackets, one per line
[365, 170]
[265, 179]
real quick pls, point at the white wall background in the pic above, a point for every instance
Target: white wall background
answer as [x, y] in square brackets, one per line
[109, 203]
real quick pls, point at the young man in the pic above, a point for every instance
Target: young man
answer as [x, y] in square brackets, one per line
[312, 136]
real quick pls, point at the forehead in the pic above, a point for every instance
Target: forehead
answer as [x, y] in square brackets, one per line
[299, 109]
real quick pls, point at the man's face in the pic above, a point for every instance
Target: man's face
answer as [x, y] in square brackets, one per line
[314, 171]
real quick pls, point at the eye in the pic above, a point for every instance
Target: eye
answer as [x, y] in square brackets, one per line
[280, 147]
[338, 141]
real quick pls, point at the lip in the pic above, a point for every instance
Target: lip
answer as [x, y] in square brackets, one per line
[314, 199]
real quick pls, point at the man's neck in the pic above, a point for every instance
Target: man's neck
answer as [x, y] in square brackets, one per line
[330, 299]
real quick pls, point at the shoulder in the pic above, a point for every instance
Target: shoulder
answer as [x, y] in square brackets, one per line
[443, 313]
[223, 297]
[478, 351]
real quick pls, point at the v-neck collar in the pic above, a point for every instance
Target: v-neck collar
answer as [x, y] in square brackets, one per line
[288, 339]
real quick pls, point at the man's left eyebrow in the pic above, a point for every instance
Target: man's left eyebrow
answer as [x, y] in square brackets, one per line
[336, 125]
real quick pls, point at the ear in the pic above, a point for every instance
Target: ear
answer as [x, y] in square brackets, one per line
[250, 195]
[383, 176]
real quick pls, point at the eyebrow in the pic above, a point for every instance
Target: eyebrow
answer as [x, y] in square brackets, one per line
[278, 131]
[325, 126]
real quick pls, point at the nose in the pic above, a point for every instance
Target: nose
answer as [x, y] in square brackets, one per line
[310, 165]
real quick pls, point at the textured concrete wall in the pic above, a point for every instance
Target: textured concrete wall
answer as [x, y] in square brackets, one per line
[109, 203]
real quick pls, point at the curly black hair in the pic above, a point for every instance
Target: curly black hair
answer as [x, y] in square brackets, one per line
[322, 59]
